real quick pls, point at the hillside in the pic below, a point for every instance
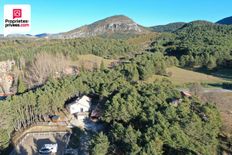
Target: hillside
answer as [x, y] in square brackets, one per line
[199, 44]
[226, 21]
[119, 24]
[168, 28]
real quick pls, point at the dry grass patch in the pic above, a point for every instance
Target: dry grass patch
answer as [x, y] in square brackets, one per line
[90, 61]
[183, 76]
[223, 103]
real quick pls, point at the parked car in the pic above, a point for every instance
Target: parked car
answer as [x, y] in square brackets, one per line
[44, 150]
[48, 148]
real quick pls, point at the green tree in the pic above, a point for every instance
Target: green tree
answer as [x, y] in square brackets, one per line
[211, 64]
[123, 106]
[21, 85]
[102, 66]
[4, 139]
[154, 147]
[100, 144]
[130, 71]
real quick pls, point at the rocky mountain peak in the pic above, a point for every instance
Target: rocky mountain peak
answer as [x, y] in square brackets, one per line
[110, 25]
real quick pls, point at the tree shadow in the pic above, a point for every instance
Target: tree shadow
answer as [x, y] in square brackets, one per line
[22, 150]
[62, 141]
[168, 150]
[220, 72]
[224, 85]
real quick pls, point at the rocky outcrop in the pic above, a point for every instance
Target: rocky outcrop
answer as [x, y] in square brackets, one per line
[6, 77]
[6, 66]
[110, 25]
[6, 81]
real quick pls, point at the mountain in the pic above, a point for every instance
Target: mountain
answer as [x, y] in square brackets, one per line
[42, 35]
[20, 36]
[196, 29]
[118, 24]
[201, 44]
[168, 28]
[226, 21]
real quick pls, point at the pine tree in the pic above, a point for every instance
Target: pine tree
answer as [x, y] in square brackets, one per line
[100, 145]
[4, 139]
[21, 85]
[102, 66]
[211, 63]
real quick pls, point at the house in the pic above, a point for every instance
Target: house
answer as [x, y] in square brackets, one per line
[80, 107]
[186, 94]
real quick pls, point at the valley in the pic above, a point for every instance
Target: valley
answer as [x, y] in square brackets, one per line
[151, 90]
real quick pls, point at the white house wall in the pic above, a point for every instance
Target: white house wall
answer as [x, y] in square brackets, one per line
[76, 108]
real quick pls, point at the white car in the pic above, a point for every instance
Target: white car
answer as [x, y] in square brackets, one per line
[48, 148]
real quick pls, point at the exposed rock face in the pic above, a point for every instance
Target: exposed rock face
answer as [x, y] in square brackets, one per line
[6, 78]
[6, 66]
[6, 81]
[110, 25]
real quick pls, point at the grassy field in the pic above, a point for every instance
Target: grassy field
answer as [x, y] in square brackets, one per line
[223, 103]
[182, 76]
[89, 61]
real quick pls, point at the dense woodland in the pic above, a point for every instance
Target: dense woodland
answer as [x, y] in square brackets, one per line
[140, 111]
[198, 44]
[28, 49]
[172, 27]
[139, 117]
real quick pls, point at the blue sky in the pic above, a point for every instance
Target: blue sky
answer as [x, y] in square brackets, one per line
[54, 16]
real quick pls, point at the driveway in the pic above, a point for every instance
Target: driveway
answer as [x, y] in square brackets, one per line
[32, 142]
